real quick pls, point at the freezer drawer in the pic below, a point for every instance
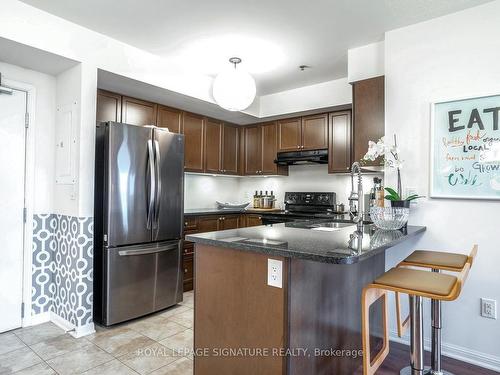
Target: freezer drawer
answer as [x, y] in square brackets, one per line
[141, 279]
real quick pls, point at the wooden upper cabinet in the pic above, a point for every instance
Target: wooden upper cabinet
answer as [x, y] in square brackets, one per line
[213, 146]
[269, 133]
[193, 130]
[230, 148]
[169, 118]
[314, 132]
[368, 115]
[253, 150]
[138, 112]
[109, 106]
[339, 142]
[290, 134]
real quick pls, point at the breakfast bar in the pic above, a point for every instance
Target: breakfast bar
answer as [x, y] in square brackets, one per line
[285, 298]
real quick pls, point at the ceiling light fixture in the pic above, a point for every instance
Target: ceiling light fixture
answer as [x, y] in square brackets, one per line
[234, 89]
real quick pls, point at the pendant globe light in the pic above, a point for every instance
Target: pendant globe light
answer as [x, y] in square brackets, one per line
[234, 89]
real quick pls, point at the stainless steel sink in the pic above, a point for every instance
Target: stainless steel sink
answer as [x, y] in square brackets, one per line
[330, 226]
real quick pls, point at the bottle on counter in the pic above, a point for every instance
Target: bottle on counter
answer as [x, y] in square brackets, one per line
[378, 190]
[256, 200]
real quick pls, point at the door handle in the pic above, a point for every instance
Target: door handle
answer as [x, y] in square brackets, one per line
[152, 181]
[147, 251]
[158, 185]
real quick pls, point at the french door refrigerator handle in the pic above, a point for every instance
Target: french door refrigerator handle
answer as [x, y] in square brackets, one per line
[148, 251]
[152, 188]
[158, 185]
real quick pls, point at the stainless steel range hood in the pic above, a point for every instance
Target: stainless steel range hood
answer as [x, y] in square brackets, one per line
[302, 157]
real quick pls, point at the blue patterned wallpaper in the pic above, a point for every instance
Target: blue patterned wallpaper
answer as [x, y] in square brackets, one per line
[62, 267]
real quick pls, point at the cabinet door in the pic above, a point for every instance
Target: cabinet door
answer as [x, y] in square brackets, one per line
[188, 270]
[213, 147]
[138, 112]
[230, 154]
[269, 143]
[253, 153]
[231, 221]
[209, 223]
[193, 129]
[289, 134]
[315, 132]
[368, 115]
[109, 106]
[339, 144]
[254, 220]
[169, 118]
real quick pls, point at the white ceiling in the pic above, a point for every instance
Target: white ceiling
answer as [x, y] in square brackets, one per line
[273, 37]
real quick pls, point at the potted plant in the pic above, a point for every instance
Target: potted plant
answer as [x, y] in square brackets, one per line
[397, 201]
[391, 159]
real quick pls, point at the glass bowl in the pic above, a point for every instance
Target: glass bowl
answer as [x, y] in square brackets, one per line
[390, 218]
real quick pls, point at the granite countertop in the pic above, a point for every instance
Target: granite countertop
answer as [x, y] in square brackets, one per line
[294, 240]
[211, 211]
[344, 217]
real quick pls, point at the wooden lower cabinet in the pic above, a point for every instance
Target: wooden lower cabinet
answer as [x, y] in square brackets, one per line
[188, 269]
[236, 309]
[253, 220]
[201, 224]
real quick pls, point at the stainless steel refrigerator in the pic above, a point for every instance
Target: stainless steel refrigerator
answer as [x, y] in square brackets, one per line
[138, 216]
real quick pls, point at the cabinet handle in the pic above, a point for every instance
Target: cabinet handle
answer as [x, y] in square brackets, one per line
[186, 223]
[185, 270]
[298, 146]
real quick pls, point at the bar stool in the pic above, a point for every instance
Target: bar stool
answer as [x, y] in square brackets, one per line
[417, 284]
[436, 261]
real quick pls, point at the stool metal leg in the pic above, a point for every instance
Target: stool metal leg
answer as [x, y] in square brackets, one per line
[416, 338]
[436, 338]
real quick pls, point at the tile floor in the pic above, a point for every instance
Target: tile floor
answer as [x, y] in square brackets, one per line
[159, 344]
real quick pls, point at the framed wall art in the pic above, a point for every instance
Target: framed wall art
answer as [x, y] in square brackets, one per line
[465, 148]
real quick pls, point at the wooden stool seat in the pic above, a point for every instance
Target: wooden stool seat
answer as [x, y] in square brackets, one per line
[417, 282]
[436, 259]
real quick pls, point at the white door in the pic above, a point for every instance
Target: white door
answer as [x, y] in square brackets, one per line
[12, 165]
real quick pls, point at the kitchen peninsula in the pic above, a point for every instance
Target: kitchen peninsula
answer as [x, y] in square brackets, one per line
[310, 321]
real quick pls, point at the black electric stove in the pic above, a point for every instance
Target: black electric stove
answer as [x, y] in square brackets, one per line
[304, 206]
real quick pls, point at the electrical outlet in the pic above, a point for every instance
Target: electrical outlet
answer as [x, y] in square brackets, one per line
[274, 273]
[488, 308]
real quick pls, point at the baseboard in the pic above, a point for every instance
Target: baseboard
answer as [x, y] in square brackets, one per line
[81, 331]
[473, 357]
[61, 322]
[40, 318]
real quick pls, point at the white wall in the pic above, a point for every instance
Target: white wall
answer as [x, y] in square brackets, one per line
[321, 95]
[365, 62]
[68, 94]
[43, 121]
[453, 56]
[303, 178]
[203, 191]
